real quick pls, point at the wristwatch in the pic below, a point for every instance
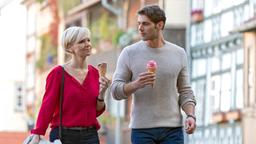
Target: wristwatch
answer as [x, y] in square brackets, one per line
[100, 100]
[192, 116]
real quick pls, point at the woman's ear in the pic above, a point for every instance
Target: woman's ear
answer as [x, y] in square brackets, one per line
[69, 46]
[69, 50]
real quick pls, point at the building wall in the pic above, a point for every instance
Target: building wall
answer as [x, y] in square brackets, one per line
[219, 54]
[132, 13]
[12, 35]
[176, 12]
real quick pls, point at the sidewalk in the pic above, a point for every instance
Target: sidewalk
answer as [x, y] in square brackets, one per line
[12, 137]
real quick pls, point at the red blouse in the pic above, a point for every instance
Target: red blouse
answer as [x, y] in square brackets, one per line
[79, 101]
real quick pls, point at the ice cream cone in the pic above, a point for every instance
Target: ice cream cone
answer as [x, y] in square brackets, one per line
[151, 67]
[102, 69]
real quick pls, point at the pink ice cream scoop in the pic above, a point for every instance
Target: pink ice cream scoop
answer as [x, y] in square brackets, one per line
[151, 67]
[151, 64]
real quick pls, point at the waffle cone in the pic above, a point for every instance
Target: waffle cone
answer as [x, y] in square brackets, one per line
[153, 70]
[102, 69]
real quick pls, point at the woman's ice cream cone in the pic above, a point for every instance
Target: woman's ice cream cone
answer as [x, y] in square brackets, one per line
[102, 69]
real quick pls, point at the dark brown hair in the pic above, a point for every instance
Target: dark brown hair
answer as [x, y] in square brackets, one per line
[153, 12]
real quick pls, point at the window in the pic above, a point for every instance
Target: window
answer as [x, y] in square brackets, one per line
[215, 66]
[215, 93]
[196, 4]
[239, 89]
[197, 34]
[239, 56]
[208, 8]
[227, 23]
[216, 7]
[225, 92]
[226, 61]
[193, 35]
[215, 28]
[200, 33]
[253, 8]
[238, 15]
[19, 96]
[199, 90]
[199, 67]
[207, 31]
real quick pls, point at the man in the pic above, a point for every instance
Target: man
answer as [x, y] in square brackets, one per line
[156, 111]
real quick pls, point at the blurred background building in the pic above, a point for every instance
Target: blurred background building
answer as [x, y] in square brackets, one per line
[219, 37]
[13, 115]
[223, 70]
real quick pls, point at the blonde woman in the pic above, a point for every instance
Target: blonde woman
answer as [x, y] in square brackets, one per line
[83, 94]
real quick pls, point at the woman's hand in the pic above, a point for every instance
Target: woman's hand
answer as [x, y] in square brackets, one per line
[104, 84]
[35, 139]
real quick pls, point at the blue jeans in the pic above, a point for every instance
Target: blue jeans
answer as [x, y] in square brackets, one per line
[161, 135]
[87, 136]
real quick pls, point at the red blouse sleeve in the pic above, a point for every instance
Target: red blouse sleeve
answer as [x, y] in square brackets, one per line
[50, 101]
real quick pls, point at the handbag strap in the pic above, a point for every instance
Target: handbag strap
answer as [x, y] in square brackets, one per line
[61, 100]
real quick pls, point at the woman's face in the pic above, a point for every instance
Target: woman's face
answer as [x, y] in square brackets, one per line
[82, 47]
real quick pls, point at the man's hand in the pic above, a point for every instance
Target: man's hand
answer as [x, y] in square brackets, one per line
[190, 125]
[145, 78]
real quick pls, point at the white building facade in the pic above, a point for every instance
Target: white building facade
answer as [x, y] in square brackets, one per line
[217, 64]
[12, 61]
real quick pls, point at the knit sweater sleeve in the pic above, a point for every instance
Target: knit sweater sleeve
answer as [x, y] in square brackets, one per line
[121, 76]
[49, 102]
[186, 94]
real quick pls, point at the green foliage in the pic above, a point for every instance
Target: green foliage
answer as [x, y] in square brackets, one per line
[106, 118]
[104, 26]
[40, 1]
[66, 5]
[47, 48]
[116, 36]
[105, 29]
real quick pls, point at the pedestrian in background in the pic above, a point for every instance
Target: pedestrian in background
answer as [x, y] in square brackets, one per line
[156, 111]
[83, 94]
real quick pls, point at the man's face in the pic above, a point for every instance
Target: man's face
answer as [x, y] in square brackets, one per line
[147, 29]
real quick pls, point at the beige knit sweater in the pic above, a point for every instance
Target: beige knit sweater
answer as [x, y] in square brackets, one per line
[159, 106]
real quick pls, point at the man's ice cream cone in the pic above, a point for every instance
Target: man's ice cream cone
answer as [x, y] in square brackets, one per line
[102, 69]
[151, 67]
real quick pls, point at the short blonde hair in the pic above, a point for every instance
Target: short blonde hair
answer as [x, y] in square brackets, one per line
[73, 34]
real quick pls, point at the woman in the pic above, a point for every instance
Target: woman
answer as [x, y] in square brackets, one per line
[83, 94]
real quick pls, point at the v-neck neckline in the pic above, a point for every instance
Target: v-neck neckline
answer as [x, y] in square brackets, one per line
[75, 79]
